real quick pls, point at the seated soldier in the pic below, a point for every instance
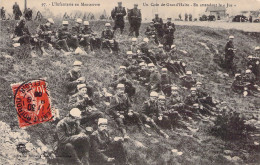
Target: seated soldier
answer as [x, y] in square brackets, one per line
[82, 101]
[133, 47]
[87, 37]
[151, 111]
[238, 84]
[172, 53]
[165, 82]
[188, 81]
[122, 79]
[154, 79]
[162, 119]
[193, 103]
[105, 150]
[160, 55]
[74, 77]
[204, 98]
[143, 74]
[250, 80]
[120, 109]
[253, 64]
[73, 143]
[151, 32]
[108, 40]
[46, 35]
[131, 64]
[63, 36]
[22, 31]
[74, 38]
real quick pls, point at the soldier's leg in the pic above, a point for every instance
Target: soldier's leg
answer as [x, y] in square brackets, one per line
[73, 42]
[71, 154]
[121, 125]
[82, 147]
[118, 151]
[63, 45]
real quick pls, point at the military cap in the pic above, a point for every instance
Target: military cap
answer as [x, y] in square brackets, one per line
[102, 121]
[80, 86]
[120, 86]
[146, 40]
[156, 13]
[135, 4]
[50, 20]
[257, 48]
[134, 39]
[160, 46]
[164, 70]
[129, 52]
[77, 63]
[250, 57]
[183, 64]
[198, 83]
[189, 73]
[142, 64]
[248, 71]
[85, 23]
[107, 24]
[79, 20]
[169, 18]
[65, 22]
[122, 67]
[193, 89]
[151, 65]
[238, 74]
[231, 37]
[75, 112]
[153, 94]
[173, 46]
[174, 88]
[16, 45]
[161, 97]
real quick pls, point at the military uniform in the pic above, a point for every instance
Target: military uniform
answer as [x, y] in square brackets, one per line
[103, 147]
[255, 64]
[63, 36]
[158, 24]
[87, 40]
[188, 81]
[119, 108]
[166, 84]
[143, 76]
[118, 15]
[168, 34]
[238, 85]
[129, 88]
[135, 19]
[17, 12]
[155, 81]
[229, 55]
[70, 146]
[21, 30]
[109, 35]
[3, 17]
[28, 14]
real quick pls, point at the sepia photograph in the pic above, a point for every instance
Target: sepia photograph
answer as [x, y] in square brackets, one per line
[130, 82]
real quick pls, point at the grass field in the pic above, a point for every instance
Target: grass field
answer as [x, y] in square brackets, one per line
[198, 147]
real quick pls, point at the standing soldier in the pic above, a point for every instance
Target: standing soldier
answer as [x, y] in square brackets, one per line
[73, 143]
[158, 24]
[3, 13]
[28, 14]
[169, 29]
[104, 149]
[118, 14]
[135, 19]
[257, 51]
[229, 54]
[120, 109]
[16, 11]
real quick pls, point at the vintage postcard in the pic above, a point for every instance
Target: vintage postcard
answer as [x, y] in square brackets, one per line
[120, 82]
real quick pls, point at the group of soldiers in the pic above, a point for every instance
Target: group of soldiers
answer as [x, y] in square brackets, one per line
[166, 81]
[17, 13]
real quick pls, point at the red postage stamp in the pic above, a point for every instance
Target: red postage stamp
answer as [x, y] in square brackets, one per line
[32, 102]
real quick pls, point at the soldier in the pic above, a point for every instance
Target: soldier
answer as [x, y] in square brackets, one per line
[238, 84]
[63, 36]
[165, 82]
[257, 51]
[120, 109]
[151, 111]
[158, 24]
[144, 74]
[3, 17]
[172, 53]
[74, 77]
[163, 120]
[104, 149]
[169, 29]
[133, 47]
[161, 55]
[21, 30]
[73, 143]
[16, 11]
[118, 14]
[204, 98]
[229, 54]
[75, 35]
[87, 39]
[188, 81]
[135, 19]
[108, 38]
[46, 35]
[154, 79]
[151, 32]
[28, 14]
[84, 103]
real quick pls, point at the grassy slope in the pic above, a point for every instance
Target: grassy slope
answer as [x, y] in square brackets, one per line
[198, 149]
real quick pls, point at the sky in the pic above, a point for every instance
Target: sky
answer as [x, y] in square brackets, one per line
[147, 11]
